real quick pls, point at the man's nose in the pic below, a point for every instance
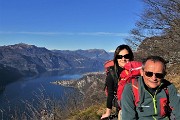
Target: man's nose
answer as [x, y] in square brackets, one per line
[154, 77]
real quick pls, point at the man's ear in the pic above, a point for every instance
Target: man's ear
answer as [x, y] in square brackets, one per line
[141, 72]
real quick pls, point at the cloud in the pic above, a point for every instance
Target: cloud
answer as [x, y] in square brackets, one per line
[70, 33]
[103, 34]
[39, 33]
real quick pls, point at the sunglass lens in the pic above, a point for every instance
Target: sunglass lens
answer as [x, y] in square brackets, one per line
[159, 75]
[119, 56]
[149, 74]
[127, 56]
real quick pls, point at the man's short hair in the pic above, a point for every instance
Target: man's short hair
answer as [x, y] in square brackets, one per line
[155, 59]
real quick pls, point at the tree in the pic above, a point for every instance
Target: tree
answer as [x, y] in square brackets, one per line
[159, 18]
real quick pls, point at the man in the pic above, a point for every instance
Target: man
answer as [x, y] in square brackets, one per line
[157, 96]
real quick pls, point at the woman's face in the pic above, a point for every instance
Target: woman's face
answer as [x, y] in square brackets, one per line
[122, 60]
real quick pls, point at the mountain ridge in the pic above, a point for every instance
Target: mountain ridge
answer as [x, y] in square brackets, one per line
[29, 60]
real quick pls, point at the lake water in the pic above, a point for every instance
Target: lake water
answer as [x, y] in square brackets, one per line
[27, 88]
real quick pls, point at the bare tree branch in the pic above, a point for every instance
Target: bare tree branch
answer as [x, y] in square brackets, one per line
[159, 18]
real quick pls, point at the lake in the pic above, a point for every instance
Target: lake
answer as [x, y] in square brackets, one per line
[26, 89]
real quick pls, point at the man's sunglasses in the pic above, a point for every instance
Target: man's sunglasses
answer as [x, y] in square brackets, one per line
[127, 56]
[150, 74]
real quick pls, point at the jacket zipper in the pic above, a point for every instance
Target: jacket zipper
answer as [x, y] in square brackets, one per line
[154, 101]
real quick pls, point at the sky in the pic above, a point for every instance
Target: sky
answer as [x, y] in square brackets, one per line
[68, 24]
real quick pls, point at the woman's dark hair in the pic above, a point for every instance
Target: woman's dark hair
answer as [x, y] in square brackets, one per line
[118, 49]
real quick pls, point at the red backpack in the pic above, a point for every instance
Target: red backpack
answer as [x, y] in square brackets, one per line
[131, 70]
[107, 66]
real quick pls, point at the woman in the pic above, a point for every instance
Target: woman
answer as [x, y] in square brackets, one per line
[122, 55]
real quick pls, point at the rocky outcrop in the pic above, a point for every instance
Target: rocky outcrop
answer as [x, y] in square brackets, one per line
[89, 80]
[91, 85]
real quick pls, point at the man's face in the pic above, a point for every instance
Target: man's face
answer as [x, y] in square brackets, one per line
[152, 73]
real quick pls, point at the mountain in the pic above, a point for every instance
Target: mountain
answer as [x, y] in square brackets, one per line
[26, 60]
[94, 54]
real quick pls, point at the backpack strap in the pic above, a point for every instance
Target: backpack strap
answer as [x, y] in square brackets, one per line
[167, 92]
[115, 78]
[135, 91]
[110, 70]
[169, 108]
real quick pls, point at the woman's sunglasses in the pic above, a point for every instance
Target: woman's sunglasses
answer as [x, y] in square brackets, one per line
[126, 56]
[150, 74]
